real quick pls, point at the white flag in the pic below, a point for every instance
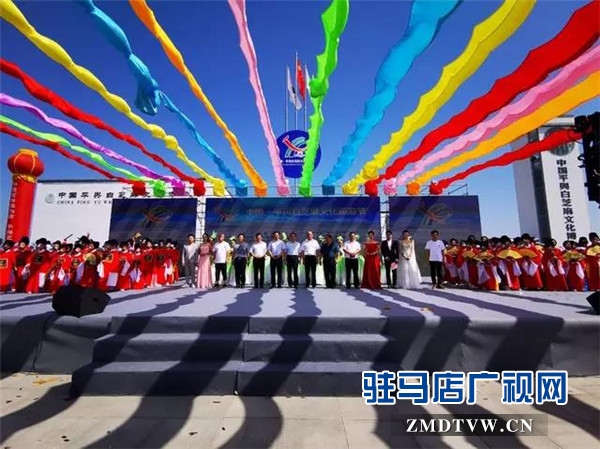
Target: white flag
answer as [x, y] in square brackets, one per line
[307, 76]
[292, 92]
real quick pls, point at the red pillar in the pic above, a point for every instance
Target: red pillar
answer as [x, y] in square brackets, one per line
[26, 167]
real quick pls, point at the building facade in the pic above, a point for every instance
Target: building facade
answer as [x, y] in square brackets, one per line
[551, 193]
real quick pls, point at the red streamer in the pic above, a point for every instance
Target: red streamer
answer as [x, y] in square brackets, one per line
[56, 147]
[46, 95]
[577, 36]
[554, 140]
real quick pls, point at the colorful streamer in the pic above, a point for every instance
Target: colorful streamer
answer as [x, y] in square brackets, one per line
[580, 68]
[487, 36]
[426, 16]
[56, 147]
[146, 16]
[47, 96]
[577, 36]
[7, 100]
[149, 96]
[12, 14]
[567, 101]
[334, 21]
[238, 8]
[560, 137]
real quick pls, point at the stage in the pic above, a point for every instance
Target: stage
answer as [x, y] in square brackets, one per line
[308, 342]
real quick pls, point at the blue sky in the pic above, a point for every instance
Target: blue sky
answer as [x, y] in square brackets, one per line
[206, 34]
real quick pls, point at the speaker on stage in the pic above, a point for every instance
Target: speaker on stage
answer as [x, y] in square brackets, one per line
[73, 300]
[594, 300]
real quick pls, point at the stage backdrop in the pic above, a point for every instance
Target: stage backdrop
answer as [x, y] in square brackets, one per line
[335, 215]
[172, 218]
[452, 216]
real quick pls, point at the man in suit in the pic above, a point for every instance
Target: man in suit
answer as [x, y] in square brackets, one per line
[391, 254]
[189, 258]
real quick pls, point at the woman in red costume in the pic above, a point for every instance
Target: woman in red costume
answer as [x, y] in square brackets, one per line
[489, 279]
[38, 267]
[372, 271]
[531, 265]
[160, 263]
[592, 258]
[77, 258]
[136, 274]
[125, 267]
[554, 270]
[22, 257]
[574, 266]
[7, 265]
[60, 270]
[147, 265]
[451, 275]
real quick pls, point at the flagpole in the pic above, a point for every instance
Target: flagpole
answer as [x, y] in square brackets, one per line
[297, 93]
[286, 100]
[306, 101]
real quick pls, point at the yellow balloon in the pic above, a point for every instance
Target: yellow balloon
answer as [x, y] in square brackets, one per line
[13, 15]
[146, 16]
[569, 100]
[487, 36]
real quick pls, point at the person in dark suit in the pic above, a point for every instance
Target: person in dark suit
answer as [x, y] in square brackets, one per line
[391, 254]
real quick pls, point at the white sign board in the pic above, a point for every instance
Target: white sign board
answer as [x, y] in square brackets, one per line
[566, 195]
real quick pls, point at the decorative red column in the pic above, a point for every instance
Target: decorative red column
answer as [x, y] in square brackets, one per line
[26, 167]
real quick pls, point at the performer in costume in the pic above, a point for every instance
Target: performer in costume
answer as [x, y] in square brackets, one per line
[7, 266]
[136, 275]
[592, 258]
[60, 270]
[147, 265]
[125, 259]
[204, 263]
[451, 275]
[108, 275]
[508, 264]
[489, 279]
[341, 262]
[38, 266]
[554, 271]
[160, 263]
[22, 257]
[574, 266]
[77, 259]
[531, 264]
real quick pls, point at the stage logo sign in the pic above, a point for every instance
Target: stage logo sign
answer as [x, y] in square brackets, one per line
[453, 216]
[172, 218]
[334, 215]
[292, 145]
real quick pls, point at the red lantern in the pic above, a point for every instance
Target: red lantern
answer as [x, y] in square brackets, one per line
[26, 167]
[199, 188]
[371, 188]
[138, 188]
[435, 189]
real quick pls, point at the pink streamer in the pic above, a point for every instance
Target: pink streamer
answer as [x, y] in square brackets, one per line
[7, 100]
[238, 7]
[581, 67]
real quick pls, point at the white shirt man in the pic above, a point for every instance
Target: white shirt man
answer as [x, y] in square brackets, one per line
[351, 249]
[220, 251]
[276, 248]
[258, 250]
[436, 250]
[292, 248]
[310, 247]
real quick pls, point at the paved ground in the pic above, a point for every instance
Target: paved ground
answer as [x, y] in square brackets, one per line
[37, 413]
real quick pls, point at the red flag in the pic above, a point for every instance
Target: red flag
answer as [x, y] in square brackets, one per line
[300, 79]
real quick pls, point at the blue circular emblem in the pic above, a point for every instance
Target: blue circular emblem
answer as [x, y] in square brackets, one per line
[292, 145]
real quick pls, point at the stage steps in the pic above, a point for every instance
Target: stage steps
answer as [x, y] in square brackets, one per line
[223, 355]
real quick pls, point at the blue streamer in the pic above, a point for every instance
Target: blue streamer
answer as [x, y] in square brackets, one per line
[149, 96]
[425, 19]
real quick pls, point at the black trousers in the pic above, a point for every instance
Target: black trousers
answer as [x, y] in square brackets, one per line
[276, 272]
[391, 276]
[292, 271]
[329, 270]
[259, 272]
[239, 265]
[352, 268]
[310, 271]
[220, 268]
[436, 273]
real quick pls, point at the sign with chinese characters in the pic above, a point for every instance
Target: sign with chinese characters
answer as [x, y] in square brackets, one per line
[566, 196]
[78, 208]
[335, 215]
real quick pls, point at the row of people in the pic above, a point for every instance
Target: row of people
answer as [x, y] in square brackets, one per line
[114, 266]
[519, 263]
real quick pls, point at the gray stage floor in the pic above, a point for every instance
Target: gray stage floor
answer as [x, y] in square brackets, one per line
[320, 302]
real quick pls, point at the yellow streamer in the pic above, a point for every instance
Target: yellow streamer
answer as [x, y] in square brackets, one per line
[567, 101]
[487, 36]
[12, 14]
[147, 17]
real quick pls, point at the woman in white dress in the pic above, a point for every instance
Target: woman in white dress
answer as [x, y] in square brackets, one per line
[409, 275]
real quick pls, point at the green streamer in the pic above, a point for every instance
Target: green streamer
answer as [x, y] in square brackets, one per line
[334, 21]
[90, 154]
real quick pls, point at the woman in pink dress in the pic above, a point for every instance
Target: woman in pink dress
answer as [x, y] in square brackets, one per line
[372, 272]
[204, 271]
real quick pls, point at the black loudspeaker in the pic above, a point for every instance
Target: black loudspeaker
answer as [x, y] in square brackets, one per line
[594, 300]
[73, 300]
